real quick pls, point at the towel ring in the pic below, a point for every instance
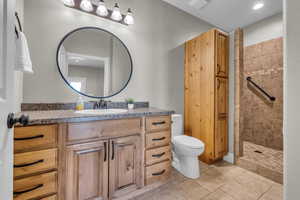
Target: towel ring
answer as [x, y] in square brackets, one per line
[19, 23]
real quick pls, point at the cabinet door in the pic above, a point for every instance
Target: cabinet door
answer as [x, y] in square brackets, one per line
[221, 121]
[222, 52]
[125, 165]
[87, 171]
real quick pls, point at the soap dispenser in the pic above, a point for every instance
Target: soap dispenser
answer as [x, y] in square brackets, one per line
[80, 103]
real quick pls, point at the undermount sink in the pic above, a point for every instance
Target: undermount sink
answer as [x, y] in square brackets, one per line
[102, 112]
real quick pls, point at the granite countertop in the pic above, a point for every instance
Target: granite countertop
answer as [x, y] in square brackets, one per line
[64, 116]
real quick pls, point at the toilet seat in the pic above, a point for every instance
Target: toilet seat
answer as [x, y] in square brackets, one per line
[188, 141]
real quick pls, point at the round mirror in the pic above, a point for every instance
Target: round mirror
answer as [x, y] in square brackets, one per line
[94, 62]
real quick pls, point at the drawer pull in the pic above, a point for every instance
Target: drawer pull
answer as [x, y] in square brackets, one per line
[159, 173]
[29, 164]
[158, 155]
[158, 123]
[29, 190]
[29, 138]
[158, 139]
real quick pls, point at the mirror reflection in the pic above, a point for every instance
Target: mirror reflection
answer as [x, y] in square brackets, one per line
[94, 62]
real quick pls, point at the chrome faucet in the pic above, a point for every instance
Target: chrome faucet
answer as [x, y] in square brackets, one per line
[102, 104]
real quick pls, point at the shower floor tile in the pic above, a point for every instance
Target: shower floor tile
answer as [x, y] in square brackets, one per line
[262, 160]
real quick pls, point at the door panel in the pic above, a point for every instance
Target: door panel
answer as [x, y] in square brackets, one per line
[7, 47]
[221, 126]
[222, 54]
[125, 165]
[87, 174]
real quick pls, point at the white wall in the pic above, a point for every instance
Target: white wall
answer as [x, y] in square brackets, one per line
[291, 100]
[19, 75]
[155, 42]
[267, 29]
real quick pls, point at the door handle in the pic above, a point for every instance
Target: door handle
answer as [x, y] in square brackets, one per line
[105, 151]
[113, 150]
[12, 120]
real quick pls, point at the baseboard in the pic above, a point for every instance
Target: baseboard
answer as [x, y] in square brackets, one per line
[229, 158]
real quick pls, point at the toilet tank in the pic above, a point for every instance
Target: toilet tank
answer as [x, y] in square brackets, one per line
[177, 125]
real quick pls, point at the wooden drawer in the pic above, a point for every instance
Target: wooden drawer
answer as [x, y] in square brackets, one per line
[158, 172]
[35, 186]
[158, 139]
[158, 123]
[53, 197]
[157, 155]
[35, 137]
[33, 162]
[78, 132]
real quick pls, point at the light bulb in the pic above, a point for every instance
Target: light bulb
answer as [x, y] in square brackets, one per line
[129, 18]
[258, 5]
[102, 10]
[70, 3]
[86, 5]
[116, 14]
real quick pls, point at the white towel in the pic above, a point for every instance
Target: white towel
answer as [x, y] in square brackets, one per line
[23, 60]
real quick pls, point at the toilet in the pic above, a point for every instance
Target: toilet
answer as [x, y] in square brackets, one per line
[185, 150]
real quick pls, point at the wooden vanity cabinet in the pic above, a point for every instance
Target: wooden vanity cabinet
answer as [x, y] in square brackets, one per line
[87, 171]
[206, 92]
[99, 160]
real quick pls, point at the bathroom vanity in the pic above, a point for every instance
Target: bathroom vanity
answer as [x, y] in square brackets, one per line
[69, 156]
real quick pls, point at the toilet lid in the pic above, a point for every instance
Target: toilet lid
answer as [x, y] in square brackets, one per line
[188, 141]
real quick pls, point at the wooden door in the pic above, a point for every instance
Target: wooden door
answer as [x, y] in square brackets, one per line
[221, 118]
[222, 49]
[125, 165]
[7, 98]
[87, 171]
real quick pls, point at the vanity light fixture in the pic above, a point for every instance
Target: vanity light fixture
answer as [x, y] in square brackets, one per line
[69, 3]
[258, 5]
[129, 18]
[86, 5]
[102, 10]
[116, 14]
[98, 8]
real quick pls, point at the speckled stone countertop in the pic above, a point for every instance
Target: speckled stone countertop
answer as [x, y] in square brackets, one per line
[64, 116]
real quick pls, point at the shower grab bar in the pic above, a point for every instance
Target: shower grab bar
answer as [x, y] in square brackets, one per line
[249, 79]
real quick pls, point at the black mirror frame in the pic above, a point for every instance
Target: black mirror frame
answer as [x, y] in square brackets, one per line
[65, 80]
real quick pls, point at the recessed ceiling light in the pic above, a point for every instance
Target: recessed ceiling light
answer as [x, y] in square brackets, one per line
[258, 5]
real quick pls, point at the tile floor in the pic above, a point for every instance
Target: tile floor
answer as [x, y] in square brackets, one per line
[221, 181]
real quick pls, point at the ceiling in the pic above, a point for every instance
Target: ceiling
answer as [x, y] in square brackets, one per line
[228, 14]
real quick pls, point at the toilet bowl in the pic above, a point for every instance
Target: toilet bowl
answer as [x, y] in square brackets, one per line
[185, 150]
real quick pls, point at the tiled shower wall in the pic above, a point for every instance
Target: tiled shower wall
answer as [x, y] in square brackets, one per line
[262, 118]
